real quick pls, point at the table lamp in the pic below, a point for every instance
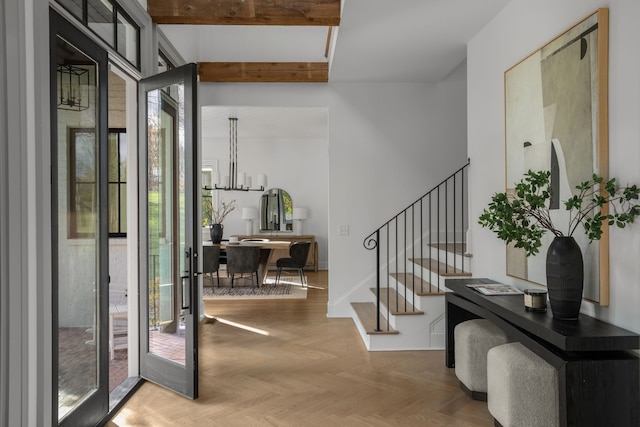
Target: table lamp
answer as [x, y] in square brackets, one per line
[249, 214]
[299, 214]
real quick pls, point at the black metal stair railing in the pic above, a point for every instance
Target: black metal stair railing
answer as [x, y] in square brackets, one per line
[433, 225]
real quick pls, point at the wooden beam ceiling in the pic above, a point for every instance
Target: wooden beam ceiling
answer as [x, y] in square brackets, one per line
[264, 72]
[245, 12]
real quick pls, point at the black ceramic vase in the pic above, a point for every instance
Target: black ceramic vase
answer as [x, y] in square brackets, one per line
[216, 233]
[565, 276]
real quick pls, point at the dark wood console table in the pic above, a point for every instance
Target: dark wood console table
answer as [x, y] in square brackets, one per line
[599, 378]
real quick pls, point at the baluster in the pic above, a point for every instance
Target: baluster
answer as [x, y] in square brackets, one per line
[373, 240]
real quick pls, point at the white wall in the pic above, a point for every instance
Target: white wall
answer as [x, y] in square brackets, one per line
[395, 143]
[388, 144]
[522, 27]
[25, 348]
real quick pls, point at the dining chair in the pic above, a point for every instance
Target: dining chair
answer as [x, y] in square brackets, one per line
[211, 262]
[298, 253]
[243, 259]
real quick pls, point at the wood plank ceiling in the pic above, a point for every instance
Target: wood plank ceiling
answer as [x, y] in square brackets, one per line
[253, 12]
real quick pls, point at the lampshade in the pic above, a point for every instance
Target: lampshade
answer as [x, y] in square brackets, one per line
[262, 180]
[237, 181]
[249, 213]
[300, 213]
[215, 177]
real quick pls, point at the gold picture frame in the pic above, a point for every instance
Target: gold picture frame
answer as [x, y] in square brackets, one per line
[556, 119]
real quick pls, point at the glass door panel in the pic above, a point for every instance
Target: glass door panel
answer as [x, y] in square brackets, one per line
[166, 321]
[169, 312]
[79, 225]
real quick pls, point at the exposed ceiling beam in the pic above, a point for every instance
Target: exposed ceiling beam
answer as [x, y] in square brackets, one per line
[245, 12]
[264, 72]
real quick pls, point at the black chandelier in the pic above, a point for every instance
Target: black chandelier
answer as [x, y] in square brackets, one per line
[73, 88]
[235, 181]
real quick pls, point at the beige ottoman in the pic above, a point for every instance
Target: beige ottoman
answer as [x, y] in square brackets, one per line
[522, 388]
[473, 339]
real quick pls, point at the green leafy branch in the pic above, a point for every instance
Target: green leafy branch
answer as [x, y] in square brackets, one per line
[524, 217]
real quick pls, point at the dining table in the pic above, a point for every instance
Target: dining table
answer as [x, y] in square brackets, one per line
[265, 245]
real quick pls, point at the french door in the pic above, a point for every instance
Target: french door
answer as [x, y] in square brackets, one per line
[79, 226]
[169, 233]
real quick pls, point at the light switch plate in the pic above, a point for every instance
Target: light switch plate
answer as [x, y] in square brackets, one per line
[343, 230]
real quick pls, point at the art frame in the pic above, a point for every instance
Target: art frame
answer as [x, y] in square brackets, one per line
[556, 119]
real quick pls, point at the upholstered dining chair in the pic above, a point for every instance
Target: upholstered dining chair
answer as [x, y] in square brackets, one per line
[298, 253]
[243, 259]
[211, 262]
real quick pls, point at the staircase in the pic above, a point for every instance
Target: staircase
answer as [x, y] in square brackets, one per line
[415, 251]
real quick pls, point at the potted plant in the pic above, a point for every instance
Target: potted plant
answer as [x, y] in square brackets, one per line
[523, 217]
[217, 216]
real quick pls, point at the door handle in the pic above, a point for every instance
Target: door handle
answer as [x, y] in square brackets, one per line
[186, 292]
[187, 281]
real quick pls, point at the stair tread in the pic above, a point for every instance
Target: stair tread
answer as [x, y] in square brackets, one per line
[439, 267]
[366, 312]
[397, 304]
[422, 287]
[456, 248]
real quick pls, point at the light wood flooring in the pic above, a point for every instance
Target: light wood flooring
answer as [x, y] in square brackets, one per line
[293, 366]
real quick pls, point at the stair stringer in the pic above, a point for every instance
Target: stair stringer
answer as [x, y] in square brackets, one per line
[415, 332]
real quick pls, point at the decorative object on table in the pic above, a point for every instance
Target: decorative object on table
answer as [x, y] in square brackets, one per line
[249, 214]
[556, 119]
[524, 217]
[300, 214]
[535, 300]
[218, 215]
[495, 289]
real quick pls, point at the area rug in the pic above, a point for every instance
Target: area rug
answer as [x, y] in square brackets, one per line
[268, 291]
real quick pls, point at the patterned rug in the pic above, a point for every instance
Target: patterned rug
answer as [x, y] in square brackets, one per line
[268, 291]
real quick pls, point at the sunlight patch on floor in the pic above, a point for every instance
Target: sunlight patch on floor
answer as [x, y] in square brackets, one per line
[245, 327]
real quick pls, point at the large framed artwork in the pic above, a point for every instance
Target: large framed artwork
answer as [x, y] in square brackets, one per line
[556, 119]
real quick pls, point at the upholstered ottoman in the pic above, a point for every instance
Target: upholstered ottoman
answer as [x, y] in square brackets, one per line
[473, 339]
[522, 388]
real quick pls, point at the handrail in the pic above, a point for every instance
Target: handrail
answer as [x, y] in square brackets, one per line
[439, 202]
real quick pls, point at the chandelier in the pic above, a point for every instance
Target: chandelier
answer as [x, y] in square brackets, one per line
[235, 181]
[73, 87]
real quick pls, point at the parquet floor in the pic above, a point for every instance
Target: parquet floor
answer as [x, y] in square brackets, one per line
[284, 363]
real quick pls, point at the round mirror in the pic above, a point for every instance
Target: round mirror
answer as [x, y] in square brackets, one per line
[276, 211]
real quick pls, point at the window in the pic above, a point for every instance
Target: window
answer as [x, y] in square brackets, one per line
[117, 183]
[82, 194]
[73, 6]
[110, 22]
[100, 19]
[164, 64]
[207, 196]
[127, 37]
[82, 198]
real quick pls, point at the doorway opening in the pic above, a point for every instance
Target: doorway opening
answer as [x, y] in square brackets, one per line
[123, 264]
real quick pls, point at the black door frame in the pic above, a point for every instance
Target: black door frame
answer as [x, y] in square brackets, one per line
[96, 406]
[183, 380]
